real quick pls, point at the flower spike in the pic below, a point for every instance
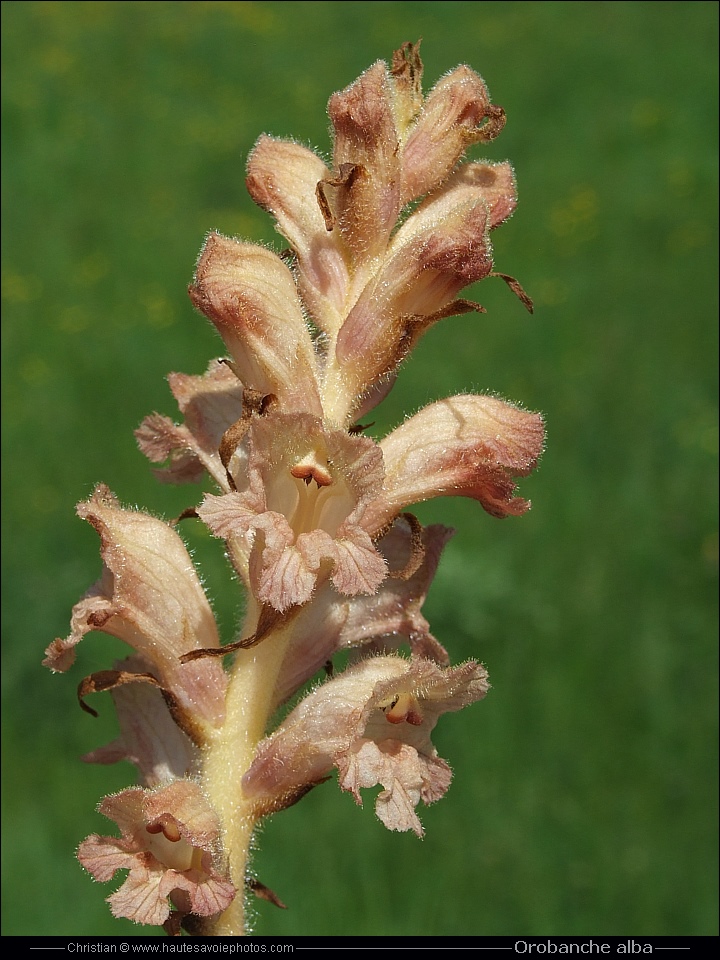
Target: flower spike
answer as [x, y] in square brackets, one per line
[311, 508]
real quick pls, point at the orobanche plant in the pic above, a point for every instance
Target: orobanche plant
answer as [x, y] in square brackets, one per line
[313, 513]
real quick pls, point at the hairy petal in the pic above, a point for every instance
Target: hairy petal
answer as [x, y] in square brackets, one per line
[381, 622]
[250, 296]
[377, 623]
[171, 845]
[279, 571]
[494, 183]
[365, 197]
[160, 439]
[451, 119]
[282, 178]
[104, 856]
[140, 897]
[308, 488]
[149, 737]
[150, 597]
[442, 248]
[469, 446]
[210, 403]
[406, 776]
[373, 723]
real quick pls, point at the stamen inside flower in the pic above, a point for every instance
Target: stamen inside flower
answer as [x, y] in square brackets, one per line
[311, 471]
[404, 708]
[169, 848]
[310, 496]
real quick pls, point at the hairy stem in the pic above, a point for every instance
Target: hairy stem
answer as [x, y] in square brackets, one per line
[249, 705]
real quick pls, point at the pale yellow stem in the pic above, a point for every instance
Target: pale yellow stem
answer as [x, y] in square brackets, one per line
[249, 705]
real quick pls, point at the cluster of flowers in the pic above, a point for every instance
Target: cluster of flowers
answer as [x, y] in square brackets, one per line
[312, 512]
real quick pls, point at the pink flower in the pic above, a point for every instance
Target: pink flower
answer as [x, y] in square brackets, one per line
[378, 623]
[210, 404]
[469, 446]
[150, 596]
[250, 296]
[170, 843]
[373, 723]
[313, 511]
[317, 500]
[299, 507]
[370, 282]
[302, 500]
[310, 501]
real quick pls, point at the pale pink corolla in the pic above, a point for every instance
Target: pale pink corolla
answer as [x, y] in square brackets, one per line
[383, 239]
[171, 845]
[299, 508]
[470, 446]
[373, 723]
[311, 501]
[250, 296]
[210, 404]
[441, 248]
[377, 623]
[150, 596]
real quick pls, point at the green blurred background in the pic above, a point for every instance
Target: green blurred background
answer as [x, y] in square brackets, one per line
[584, 798]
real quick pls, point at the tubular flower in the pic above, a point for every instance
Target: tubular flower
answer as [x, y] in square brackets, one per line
[170, 844]
[470, 446]
[312, 510]
[373, 723]
[306, 491]
[370, 624]
[150, 596]
[250, 296]
[371, 282]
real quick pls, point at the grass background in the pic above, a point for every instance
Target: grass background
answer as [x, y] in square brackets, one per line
[584, 798]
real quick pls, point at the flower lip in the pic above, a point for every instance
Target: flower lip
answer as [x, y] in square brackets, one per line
[170, 843]
[373, 723]
[299, 518]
